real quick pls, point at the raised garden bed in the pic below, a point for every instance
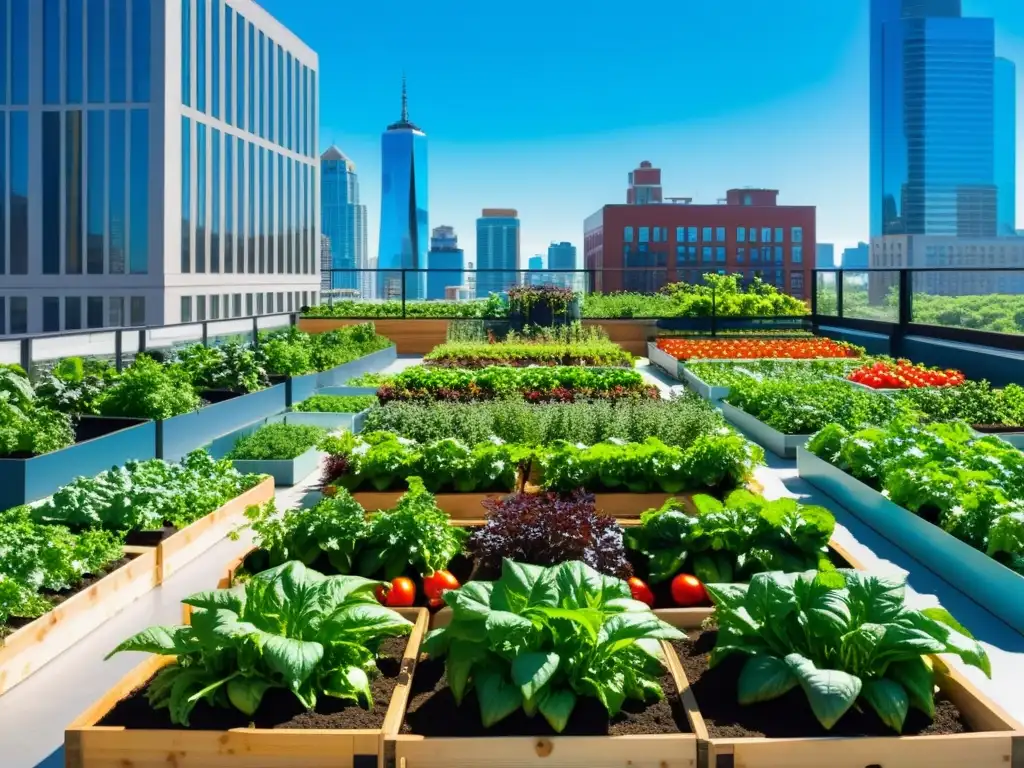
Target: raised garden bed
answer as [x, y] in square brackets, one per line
[1012, 435]
[306, 386]
[120, 729]
[37, 643]
[285, 472]
[709, 392]
[101, 443]
[980, 577]
[776, 442]
[664, 361]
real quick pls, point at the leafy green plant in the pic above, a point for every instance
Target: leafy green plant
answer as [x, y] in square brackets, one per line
[74, 385]
[336, 403]
[149, 390]
[726, 374]
[231, 366]
[732, 540]
[276, 441]
[539, 638]
[523, 353]
[26, 427]
[288, 627]
[973, 401]
[842, 637]
[370, 380]
[146, 495]
[293, 353]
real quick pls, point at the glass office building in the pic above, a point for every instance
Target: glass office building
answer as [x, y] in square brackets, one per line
[1006, 146]
[343, 220]
[497, 250]
[445, 263]
[124, 205]
[932, 118]
[403, 208]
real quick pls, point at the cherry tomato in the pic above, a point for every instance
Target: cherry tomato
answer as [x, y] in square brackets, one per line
[687, 590]
[400, 593]
[437, 583]
[641, 591]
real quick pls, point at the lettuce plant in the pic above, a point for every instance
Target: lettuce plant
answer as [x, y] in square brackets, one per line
[842, 637]
[732, 540]
[539, 638]
[288, 627]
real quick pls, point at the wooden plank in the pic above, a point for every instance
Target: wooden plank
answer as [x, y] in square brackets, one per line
[36, 644]
[190, 542]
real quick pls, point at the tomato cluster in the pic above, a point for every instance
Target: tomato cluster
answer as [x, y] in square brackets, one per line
[401, 593]
[687, 591]
[905, 375]
[753, 349]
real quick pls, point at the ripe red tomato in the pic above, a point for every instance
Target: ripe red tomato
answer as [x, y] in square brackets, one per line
[400, 593]
[641, 591]
[687, 590]
[437, 583]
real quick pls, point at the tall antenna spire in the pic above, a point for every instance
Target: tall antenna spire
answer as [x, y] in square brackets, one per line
[405, 102]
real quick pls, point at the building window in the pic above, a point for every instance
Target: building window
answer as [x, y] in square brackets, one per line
[753, 234]
[290, 301]
[117, 40]
[138, 257]
[705, 254]
[229, 34]
[720, 234]
[19, 314]
[778, 254]
[705, 234]
[766, 234]
[141, 50]
[766, 254]
[680, 254]
[72, 313]
[51, 314]
[236, 305]
[215, 69]
[741, 234]
[779, 235]
[94, 312]
[74, 64]
[645, 234]
[200, 198]
[138, 310]
[680, 234]
[51, 51]
[95, 202]
[755, 254]
[741, 255]
[215, 307]
[186, 309]
[280, 301]
[248, 304]
[240, 70]
[115, 311]
[118, 192]
[201, 54]
[747, 200]
[215, 202]
[720, 254]
[51, 192]
[657, 234]
[73, 192]
[627, 235]
[201, 308]
[796, 234]
[798, 254]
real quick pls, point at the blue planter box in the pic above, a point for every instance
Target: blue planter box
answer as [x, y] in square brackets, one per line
[179, 435]
[371, 363]
[349, 391]
[26, 480]
[286, 472]
[991, 585]
[776, 442]
[332, 420]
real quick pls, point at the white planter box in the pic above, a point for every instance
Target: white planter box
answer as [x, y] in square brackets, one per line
[776, 442]
[286, 472]
[663, 360]
[709, 392]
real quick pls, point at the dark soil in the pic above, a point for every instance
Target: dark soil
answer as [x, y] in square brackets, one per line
[432, 712]
[149, 538]
[789, 716]
[56, 598]
[279, 708]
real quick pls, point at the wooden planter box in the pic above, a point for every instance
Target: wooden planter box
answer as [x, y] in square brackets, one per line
[285, 472]
[776, 442]
[87, 745]
[678, 750]
[35, 645]
[990, 584]
[189, 543]
[411, 336]
[997, 742]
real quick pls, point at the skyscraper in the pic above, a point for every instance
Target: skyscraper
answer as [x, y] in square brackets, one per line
[444, 262]
[535, 264]
[1006, 145]
[563, 256]
[342, 218]
[826, 255]
[497, 248]
[403, 207]
[932, 120]
[162, 164]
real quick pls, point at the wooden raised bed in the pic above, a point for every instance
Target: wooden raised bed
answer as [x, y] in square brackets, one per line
[87, 745]
[34, 645]
[411, 336]
[190, 542]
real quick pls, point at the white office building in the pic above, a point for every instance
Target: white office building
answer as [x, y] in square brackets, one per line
[158, 164]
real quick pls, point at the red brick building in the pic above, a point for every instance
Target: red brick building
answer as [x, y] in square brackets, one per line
[643, 247]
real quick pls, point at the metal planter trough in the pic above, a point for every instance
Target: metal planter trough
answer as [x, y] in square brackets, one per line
[990, 584]
[349, 391]
[663, 360]
[709, 392]
[103, 442]
[180, 435]
[776, 442]
[286, 472]
[332, 420]
[371, 363]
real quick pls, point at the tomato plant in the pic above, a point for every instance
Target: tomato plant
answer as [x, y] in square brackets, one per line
[687, 590]
[757, 348]
[641, 591]
[905, 375]
[400, 593]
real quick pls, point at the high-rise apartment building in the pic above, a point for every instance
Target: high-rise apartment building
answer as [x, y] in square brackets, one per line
[644, 185]
[162, 164]
[343, 219]
[497, 248]
[938, 104]
[444, 263]
[403, 208]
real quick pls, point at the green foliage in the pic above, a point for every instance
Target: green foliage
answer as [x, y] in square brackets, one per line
[293, 353]
[678, 421]
[336, 403]
[973, 401]
[38, 558]
[232, 366]
[539, 638]
[492, 307]
[276, 441]
[149, 390]
[479, 354]
[370, 380]
[732, 540]
[75, 385]
[841, 637]
[27, 427]
[794, 407]
[730, 374]
[972, 487]
[288, 627]
[145, 495]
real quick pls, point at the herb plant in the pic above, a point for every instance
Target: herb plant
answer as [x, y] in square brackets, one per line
[732, 540]
[231, 366]
[469, 354]
[75, 385]
[294, 353]
[972, 401]
[842, 637]
[26, 427]
[539, 638]
[288, 627]
[149, 390]
[276, 441]
[728, 374]
[336, 403]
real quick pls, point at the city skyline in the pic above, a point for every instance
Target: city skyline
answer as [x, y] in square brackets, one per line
[809, 104]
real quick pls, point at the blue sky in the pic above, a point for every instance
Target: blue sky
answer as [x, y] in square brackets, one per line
[546, 106]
